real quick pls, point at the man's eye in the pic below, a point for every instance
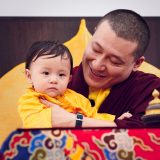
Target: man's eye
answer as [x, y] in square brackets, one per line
[45, 73]
[96, 50]
[116, 63]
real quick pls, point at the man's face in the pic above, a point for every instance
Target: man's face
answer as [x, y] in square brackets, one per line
[50, 75]
[108, 59]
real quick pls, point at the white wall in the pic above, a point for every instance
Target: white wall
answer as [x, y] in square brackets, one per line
[75, 8]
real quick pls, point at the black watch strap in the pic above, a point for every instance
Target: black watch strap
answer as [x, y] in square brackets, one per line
[79, 120]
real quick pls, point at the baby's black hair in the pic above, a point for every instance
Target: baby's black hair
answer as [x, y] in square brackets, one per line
[43, 48]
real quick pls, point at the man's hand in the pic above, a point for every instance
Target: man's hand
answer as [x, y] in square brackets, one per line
[125, 115]
[60, 117]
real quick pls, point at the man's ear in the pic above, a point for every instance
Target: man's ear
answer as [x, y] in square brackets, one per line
[138, 62]
[28, 75]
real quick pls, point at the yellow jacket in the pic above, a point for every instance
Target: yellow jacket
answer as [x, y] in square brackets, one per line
[34, 114]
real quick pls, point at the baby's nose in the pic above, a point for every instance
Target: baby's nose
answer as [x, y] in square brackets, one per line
[53, 79]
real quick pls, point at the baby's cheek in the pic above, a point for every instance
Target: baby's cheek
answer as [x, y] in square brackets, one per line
[63, 87]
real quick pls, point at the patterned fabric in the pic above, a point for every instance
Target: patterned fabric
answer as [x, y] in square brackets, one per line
[84, 144]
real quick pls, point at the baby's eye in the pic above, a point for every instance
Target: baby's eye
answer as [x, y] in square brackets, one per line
[62, 75]
[45, 73]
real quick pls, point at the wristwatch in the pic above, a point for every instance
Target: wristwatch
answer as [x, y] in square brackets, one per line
[79, 120]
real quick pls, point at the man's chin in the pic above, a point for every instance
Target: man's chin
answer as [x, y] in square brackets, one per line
[93, 84]
[98, 85]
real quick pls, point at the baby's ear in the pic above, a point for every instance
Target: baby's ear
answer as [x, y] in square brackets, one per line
[28, 75]
[70, 78]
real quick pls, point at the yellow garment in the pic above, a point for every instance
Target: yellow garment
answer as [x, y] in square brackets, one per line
[98, 96]
[36, 115]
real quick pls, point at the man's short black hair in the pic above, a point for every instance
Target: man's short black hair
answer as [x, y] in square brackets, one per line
[131, 26]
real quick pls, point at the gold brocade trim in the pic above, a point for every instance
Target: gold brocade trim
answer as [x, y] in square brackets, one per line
[155, 111]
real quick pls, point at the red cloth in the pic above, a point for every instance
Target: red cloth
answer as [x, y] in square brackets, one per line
[102, 143]
[131, 95]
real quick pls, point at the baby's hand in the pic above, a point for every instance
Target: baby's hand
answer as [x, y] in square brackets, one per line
[125, 115]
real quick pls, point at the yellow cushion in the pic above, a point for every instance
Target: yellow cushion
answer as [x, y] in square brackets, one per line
[13, 83]
[148, 68]
[78, 43]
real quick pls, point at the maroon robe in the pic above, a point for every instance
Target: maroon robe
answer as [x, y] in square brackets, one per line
[131, 95]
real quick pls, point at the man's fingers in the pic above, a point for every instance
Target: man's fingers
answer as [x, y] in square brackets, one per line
[128, 115]
[125, 115]
[46, 103]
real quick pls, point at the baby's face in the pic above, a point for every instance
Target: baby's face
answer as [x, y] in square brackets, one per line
[50, 75]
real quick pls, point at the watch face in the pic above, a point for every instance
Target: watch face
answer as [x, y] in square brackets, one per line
[79, 116]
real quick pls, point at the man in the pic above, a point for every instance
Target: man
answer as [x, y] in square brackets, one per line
[108, 74]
